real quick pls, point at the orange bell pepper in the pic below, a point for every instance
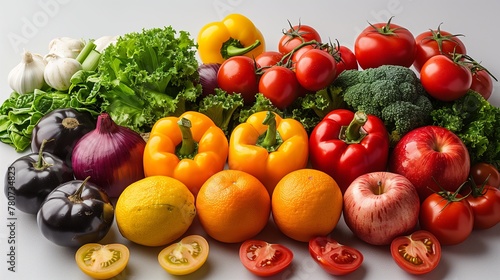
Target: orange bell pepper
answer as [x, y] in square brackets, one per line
[268, 147]
[190, 148]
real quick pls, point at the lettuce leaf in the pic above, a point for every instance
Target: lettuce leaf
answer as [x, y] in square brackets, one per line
[145, 76]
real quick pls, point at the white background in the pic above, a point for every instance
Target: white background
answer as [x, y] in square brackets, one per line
[31, 25]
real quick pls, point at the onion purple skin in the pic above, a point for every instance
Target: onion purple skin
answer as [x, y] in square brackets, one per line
[64, 127]
[112, 155]
[208, 77]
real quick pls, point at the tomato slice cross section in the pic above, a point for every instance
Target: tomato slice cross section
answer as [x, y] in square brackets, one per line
[418, 253]
[263, 258]
[333, 257]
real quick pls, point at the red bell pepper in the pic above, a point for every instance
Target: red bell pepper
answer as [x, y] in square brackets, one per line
[346, 145]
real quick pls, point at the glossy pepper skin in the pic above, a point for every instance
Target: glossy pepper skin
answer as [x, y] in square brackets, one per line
[268, 147]
[190, 148]
[346, 145]
[234, 35]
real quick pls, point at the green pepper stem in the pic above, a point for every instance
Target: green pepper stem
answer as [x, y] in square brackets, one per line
[270, 138]
[354, 132]
[233, 47]
[188, 145]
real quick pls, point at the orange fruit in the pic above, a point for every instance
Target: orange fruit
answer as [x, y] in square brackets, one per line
[233, 206]
[306, 203]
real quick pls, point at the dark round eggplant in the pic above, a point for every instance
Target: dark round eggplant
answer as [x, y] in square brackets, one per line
[30, 178]
[64, 127]
[76, 213]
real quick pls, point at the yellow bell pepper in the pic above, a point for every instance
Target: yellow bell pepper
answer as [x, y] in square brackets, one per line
[268, 147]
[190, 148]
[234, 35]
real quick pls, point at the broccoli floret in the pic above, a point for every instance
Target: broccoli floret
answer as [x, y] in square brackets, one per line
[392, 93]
[476, 122]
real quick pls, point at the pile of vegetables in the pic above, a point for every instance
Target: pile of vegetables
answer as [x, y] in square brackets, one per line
[141, 104]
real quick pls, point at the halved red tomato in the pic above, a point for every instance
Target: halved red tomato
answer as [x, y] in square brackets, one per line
[333, 257]
[102, 261]
[185, 256]
[263, 258]
[418, 253]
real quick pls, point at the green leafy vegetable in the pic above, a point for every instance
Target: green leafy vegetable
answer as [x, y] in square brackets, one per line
[145, 76]
[20, 113]
[222, 108]
[476, 122]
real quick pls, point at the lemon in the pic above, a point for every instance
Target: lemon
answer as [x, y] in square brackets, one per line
[155, 211]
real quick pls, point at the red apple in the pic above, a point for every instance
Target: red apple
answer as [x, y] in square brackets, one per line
[380, 206]
[433, 158]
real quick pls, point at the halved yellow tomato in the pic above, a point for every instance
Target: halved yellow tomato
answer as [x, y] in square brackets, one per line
[102, 261]
[185, 256]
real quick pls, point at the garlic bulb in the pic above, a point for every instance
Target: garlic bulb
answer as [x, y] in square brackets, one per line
[28, 74]
[66, 47]
[104, 41]
[59, 70]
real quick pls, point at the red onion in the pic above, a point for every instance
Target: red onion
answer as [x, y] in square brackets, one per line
[208, 77]
[111, 155]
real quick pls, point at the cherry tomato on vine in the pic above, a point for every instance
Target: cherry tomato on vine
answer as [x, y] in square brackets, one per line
[295, 36]
[448, 216]
[238, 75]
[385, 44]
[316, 69]
[485, 203]
[333, 257]
[346, 60]
[482, 83]
[268, 59]
[417, 253]
[445, 78]
[263, 258]
[483, 172]
[279, 84]
[434, 42]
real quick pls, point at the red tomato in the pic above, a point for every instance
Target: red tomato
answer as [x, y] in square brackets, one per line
[296, 36]
[264, 259]
[333, 257]
[482, 83]
[417, 253]
[485, 203]
[316, 69]
[237, 75]
[298, 53]
[268, 59]
[444, 78]
[385, 43]
[483, 172]
[434, 42]
[448, 216]
[346, 60]
[279, 85]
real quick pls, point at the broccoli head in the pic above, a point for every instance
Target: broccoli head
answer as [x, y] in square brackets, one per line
[392, 93]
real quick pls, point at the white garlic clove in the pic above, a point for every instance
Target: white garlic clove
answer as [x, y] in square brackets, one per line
[59, 71]
[66, 46]
[104, 41]
[28, 75]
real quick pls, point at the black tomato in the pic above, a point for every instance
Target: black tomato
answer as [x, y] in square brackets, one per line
[76, 213]
[30, 178]
[64, 127]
